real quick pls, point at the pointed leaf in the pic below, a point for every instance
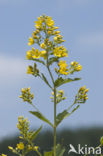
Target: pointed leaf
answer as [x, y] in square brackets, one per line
[45, 80]
[61, 116]
[59, 150]
[60, 81]
[34, 135]
[64, 115]
[41, 117]
[52, 60]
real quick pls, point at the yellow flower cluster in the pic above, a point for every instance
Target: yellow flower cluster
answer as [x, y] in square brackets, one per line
[26, 136]
[20, 146]
[36, 54]
[31, 41]
[81, 97]
[45, 24]
[44, 21]
[3, 155]
[33, 70]
[59, 96]
[63, 70]
[23, 125]
[60, 51]
[26, 95]
[75, 66]
[58, 39]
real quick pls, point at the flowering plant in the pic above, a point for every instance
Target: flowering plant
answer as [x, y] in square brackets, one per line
[51, 53]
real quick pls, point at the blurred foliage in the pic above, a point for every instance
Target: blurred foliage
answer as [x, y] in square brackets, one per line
[83, 136]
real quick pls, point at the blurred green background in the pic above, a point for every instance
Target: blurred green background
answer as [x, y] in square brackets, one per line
[89, 136]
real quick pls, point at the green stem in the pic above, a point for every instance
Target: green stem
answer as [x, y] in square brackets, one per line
[71, 106]
[54, 121]
[39, 153]
[54, 107]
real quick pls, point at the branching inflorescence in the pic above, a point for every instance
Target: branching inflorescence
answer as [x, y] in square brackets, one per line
[51, 52]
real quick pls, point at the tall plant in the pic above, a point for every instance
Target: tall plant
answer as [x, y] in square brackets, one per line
[51, 53]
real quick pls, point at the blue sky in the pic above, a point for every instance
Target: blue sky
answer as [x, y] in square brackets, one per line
[81, 24]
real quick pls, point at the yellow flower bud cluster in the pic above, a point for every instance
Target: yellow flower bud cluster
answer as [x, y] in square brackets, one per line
[23, 126]
[81, 97]
[75, 67]
[33, 70]
[63, 70]
[59, 96]
[26, 136]
[26, 95]
[58, 39]
[60, 51]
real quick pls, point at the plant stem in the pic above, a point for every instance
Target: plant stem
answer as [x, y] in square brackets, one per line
[54, 121]
[54, 108]
[54, 89]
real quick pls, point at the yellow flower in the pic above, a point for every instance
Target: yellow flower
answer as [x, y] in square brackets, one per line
[36, 53]
[56, 27]
[10, 148]
[78, 68]
[30, 70]
[55, 38]
[29, 55]
[38, 24]
[42, 45]
[63, 68]
[34, 35]
[43, 54]
[36, 148]
[49, 22]
[3, 155]
[61, 91]
[60, 51]
[86, 90]
[49, 32]
[31, 41]
[20, 146]
[30, 147]
[56, 32]
[82, 88]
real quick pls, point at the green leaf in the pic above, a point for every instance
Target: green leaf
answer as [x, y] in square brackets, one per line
[48, 153]
[52, 60]
[34, 135]
[45, 80]
[59, 150]
[61, 116]
[41, 117]
[40, 61]
[60, 81]
[64, 115]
